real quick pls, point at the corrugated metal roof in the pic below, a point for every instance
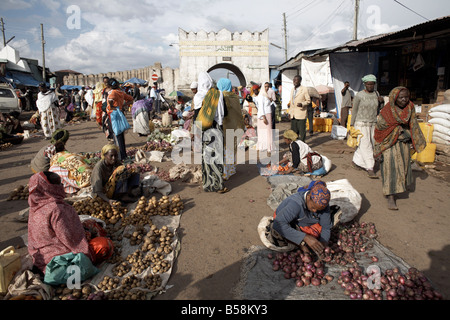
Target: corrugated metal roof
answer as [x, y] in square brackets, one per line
[441, 24]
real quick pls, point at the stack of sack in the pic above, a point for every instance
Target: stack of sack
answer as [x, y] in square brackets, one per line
[440, 118]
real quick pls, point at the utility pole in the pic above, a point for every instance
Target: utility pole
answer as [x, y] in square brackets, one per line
[3, 31]
[355, 22]
[43, 54]
[285, 36]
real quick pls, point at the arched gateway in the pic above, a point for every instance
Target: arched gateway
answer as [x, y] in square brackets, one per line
[246, 54]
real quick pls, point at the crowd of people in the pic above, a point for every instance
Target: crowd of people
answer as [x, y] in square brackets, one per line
[390, 134]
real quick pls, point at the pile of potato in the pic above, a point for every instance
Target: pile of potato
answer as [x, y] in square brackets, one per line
[153, 244]
[5, 146]
[162, 207]
[121, 268]
[19, 193]
[109, 283]
[62, 292]
[98, 208]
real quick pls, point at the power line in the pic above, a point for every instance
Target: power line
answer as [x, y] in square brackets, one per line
[333, 14]
[296, 13]
[411, 10]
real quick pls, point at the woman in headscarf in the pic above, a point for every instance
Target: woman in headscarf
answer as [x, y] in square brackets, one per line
[210, 120]
[300, 156]
[305, 218]
[140, 113]
[364, 119]
[232, 121]
[265, 134]
[117, 99]
[48, 107]
[41, 161]
[111, 180]
[397, 133]
[54, 228]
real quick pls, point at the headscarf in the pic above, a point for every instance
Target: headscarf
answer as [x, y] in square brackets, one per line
[369, 78]
[224, 84]
[43, 193]
[106, 148]
[389, 125]
[291, 135]
[98, 91]
[318, 193]
[194, 85]
[60, 135]
[254, 87]
[204, 84]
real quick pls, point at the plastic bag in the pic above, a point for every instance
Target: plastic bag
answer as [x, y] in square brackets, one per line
[119, 122]
[56, 271]
[354, 137]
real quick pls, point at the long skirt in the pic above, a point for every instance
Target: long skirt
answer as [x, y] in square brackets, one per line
[396, 172]
[50, 121]
[265, 135]
[140, 123]
[212, 159]
[363, 155]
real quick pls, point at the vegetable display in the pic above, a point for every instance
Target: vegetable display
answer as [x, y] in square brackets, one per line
[349, 243]
[137, 274]
[19, 193]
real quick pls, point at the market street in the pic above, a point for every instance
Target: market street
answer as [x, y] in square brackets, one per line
[216, 230]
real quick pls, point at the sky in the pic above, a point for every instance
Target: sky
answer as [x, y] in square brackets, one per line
[99, 36]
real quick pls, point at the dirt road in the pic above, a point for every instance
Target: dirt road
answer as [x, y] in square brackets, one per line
[217, 229]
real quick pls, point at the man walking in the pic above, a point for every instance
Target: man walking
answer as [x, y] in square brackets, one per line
[346, 103]
[298, 107]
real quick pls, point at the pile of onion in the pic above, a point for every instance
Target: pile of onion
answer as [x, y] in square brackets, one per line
[301, 267]
[392, 285]
[348, 239]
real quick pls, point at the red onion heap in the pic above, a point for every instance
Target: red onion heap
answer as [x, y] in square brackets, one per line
[301, 267]
[347, 243]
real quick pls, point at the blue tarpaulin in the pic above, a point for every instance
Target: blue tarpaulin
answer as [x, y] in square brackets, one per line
[136, 80]
[67, 87]
[21, 78]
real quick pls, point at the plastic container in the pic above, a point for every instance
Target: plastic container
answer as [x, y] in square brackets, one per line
[428, 155]
[10, 263]
[427, 130]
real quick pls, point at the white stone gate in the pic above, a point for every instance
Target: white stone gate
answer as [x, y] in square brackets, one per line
[246, 54]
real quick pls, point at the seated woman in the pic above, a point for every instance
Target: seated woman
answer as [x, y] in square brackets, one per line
[112, 181]
[305, 218]
[300, 157]
[55, 230]
[41, 162]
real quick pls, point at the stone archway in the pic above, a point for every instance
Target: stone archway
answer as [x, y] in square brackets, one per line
[246, 54]
[232, 68]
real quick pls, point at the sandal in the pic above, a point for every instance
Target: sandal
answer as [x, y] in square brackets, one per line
[224, 190]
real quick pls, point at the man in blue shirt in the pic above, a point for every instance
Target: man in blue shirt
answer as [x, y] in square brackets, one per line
[305, 217]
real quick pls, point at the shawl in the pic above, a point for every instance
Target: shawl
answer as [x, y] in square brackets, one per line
[54, 227]
[204, 84]
[389, 125]
[141, 106]
[45, 100]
